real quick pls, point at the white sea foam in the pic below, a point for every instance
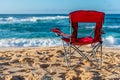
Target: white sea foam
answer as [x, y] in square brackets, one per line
[110, 41]
[30, 19]
[90, 27]
[29, 42]
[34, 19]
[112, 26]
[35, 42]
[10, 19]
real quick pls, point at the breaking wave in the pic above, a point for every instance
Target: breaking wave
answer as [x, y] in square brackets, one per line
[14, 42]
[109, 41]
[30, 19]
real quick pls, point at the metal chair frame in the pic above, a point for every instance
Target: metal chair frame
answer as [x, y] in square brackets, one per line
[68, 53]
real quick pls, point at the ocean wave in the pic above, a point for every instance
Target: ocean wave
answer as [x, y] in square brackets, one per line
[34, 19]
[112, 27]
[30, 19]
[109, 41]
[14, 42]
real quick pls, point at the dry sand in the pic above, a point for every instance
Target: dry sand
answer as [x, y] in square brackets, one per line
[41, 63]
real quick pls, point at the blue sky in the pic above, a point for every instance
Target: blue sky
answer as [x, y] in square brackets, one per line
[57, 6]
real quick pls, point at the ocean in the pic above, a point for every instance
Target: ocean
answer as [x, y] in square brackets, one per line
[33, 30]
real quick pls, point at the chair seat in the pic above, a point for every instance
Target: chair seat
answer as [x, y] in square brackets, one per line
[79, 41]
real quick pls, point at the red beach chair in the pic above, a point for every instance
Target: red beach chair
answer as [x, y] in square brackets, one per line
[75, 42]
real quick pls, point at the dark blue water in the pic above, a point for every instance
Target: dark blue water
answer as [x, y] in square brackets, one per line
[20, 30]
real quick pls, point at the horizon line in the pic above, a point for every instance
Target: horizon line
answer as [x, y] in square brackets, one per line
[42, 13]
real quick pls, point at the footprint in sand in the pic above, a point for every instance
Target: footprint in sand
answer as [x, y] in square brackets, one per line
[44, 65]
[15, 61]
[62, 75]
[45, 77]
[56, 64]
[17, 78]
[24, 70]
[39, 53]
[1, 78]
[60, 53]
[5, 63]
[96, 75]
[29, 61]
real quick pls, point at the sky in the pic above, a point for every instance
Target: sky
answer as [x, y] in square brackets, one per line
[57, 6]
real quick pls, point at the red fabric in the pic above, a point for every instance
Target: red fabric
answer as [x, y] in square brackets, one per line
[83, 16]
[58, 31]
[55, 30]
[87, 16]
[79, 41]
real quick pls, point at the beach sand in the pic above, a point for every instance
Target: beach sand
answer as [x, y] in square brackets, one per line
[47, 63]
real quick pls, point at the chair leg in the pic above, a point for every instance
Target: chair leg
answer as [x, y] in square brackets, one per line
[66, 57]
[98, 59]
[80, 52]
[100, 55]
[97, 48]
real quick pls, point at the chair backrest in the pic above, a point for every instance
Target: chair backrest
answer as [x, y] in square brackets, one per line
[87, 16]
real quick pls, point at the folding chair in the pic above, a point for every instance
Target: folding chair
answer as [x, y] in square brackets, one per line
[75, 42]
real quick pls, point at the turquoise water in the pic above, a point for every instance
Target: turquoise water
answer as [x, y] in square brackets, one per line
[21, 30]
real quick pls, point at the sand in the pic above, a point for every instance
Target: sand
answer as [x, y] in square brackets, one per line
[47, 63]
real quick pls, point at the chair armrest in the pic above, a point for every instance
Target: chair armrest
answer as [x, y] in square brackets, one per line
[59, 32]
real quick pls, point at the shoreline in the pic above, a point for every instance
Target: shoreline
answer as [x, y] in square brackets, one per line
[39, 62]
[12, 48]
